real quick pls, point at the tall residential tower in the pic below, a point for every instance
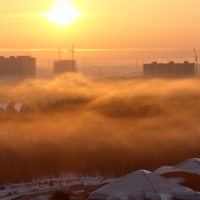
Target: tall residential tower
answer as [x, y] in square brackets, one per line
[16, 69]
[169, 70]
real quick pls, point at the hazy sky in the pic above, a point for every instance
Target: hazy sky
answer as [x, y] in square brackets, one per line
[112, 24]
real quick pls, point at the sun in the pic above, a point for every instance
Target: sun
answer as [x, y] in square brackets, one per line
[63, 13]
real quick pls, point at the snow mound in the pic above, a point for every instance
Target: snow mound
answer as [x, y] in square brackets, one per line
[189, 166]
[142, 182]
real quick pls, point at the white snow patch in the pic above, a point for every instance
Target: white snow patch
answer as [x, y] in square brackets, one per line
[189, 166]
[134, 185]
[48, 184]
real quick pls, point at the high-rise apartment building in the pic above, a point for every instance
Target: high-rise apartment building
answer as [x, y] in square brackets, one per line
[169, 70]
[63, 66]
[16, 69]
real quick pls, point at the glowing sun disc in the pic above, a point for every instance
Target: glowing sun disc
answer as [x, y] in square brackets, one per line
[63, 13]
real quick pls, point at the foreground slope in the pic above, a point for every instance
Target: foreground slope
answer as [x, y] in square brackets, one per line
[142, 184]
[189, 170]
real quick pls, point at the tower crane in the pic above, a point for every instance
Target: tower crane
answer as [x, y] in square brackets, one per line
[100, 71]
[59, 52]
[72, 51]
[28, 54]
[196, 61]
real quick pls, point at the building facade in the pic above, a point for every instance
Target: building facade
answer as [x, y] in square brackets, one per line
[63, 66]
[16, 69]
[169, 70]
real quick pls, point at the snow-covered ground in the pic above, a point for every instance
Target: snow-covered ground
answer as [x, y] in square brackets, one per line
[153, 186]
[43, 197]
[130, 186]
[48, 184]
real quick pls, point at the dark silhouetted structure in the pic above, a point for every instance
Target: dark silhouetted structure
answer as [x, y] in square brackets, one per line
[16, 69]
[169, 70]
[63, 66]
[60, 195]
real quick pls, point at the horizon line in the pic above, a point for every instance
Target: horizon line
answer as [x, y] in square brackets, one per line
[52, 50]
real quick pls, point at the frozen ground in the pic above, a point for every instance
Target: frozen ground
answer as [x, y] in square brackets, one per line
[43, 197]
[7, 190]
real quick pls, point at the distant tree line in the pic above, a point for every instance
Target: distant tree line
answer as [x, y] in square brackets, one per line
[42, 107]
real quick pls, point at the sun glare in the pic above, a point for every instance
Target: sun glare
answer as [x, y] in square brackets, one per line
[63, 13]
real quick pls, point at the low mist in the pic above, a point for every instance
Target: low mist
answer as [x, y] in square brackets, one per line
[90, 127]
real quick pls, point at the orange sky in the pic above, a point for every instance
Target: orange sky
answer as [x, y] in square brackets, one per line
[112, 24]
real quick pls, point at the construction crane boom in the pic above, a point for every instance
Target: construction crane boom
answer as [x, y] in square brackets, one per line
[59, 52]
[196, 62]
[100, 71]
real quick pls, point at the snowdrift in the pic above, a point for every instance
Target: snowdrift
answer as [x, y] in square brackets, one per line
[189, 170]
[143, 184]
